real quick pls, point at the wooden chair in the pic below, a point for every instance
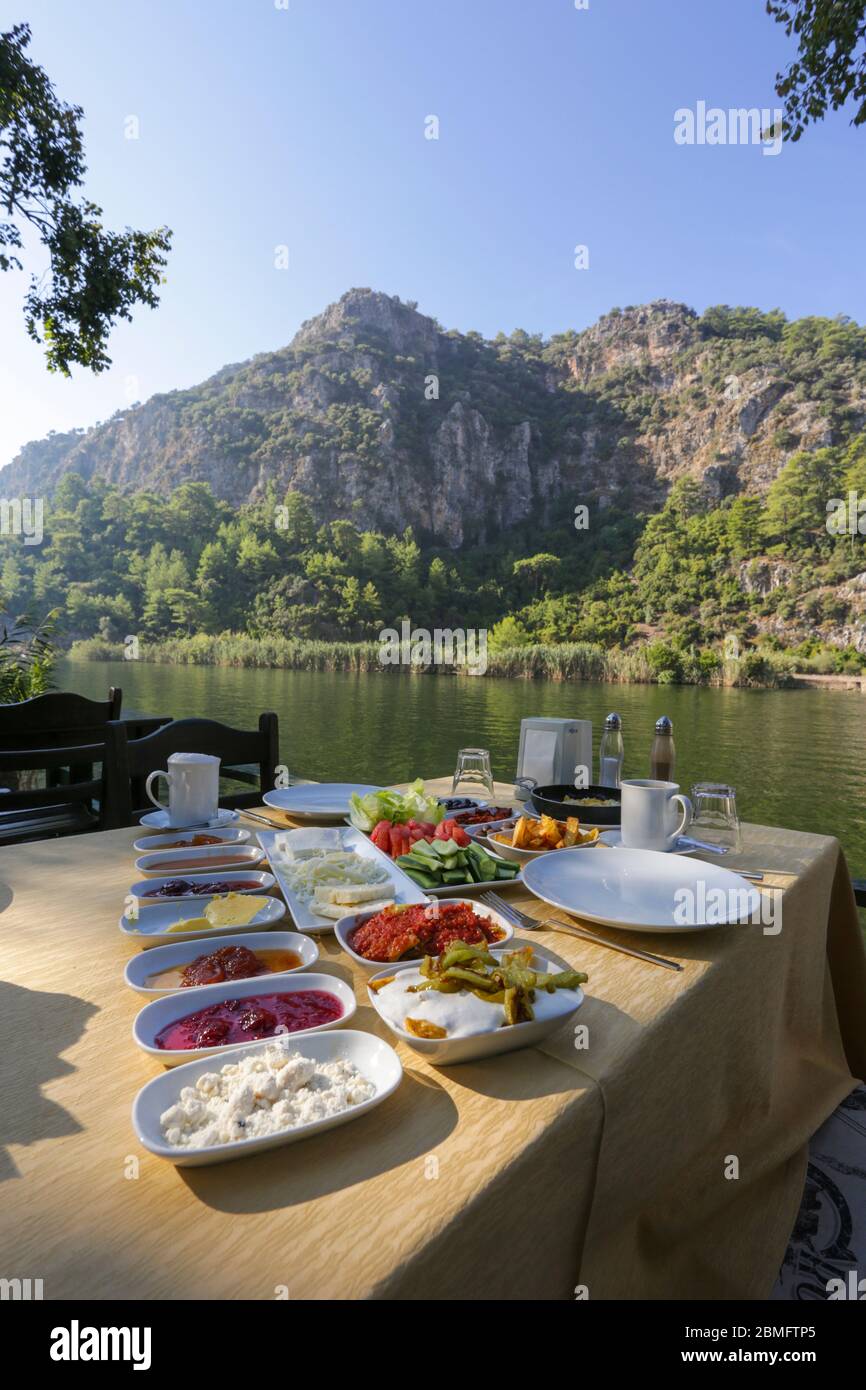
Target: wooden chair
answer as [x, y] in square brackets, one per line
[131, 760]
[68, 808]
[70, 726]
[59, 719]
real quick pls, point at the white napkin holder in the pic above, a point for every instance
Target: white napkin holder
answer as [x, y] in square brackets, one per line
[555, 751]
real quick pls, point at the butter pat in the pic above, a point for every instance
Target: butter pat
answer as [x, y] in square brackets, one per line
[233, 909]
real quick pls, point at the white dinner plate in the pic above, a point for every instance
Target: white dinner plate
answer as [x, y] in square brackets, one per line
[400, 887]
[159, 820]
[149, 928]
[169, 1008]
[374, 1058]
[141, 968]
[315, 799]
[642, 890]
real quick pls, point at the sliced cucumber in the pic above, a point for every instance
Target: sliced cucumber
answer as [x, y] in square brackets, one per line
[445, 849]
[422, 879]
[425, 850]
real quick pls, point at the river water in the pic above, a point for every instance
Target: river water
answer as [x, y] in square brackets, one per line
[796, 757]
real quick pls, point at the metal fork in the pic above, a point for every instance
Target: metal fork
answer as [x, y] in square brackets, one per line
[520, 919]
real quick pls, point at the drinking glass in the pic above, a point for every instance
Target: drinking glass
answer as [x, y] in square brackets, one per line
[715, 816]
[473, 771]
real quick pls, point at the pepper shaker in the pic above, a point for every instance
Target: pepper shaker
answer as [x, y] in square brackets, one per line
[663, 756]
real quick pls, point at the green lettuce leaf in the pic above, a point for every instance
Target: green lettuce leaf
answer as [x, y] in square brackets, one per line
[397, 807]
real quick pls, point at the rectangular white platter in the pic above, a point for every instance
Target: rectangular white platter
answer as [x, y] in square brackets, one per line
[402, 889]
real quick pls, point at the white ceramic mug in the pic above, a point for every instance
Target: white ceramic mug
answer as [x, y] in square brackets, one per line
[193, 788]
[649, 814]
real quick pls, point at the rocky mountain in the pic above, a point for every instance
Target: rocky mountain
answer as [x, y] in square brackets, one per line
[377, 413]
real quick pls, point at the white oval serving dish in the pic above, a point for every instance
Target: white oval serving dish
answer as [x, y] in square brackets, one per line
[524, 856]
[160, 863]
[373, 1057]
[166, 839]
[168, 1008]
[149, 927]
[446, 1052]
[140, 968]
[255, 881]
[346, 925]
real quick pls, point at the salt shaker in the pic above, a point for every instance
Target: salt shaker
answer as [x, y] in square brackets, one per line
[611, 753]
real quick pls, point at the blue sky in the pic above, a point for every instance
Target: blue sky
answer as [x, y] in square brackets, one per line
[263, 126]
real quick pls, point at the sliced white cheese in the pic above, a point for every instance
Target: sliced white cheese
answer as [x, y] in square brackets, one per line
[354, 893]
[312, 840]
[338, 910]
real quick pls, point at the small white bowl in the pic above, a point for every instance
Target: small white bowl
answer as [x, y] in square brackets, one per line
[140, 968]
[523, 856]
[150, 928]
[150, 843]
[255, 881]
[346, 925]
[481, 831]
[374, 1058]
[169, 1008]
[446, 1052]
[241, 857]
[478, 802]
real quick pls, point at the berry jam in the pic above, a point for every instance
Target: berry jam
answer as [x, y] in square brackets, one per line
[247, 1020]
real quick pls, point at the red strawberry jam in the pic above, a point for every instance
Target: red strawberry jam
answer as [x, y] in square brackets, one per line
[247, 1020]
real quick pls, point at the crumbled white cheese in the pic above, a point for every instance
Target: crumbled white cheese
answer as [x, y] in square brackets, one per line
[268, 1091]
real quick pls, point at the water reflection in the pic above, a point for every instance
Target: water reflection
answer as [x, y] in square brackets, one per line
[796, 757]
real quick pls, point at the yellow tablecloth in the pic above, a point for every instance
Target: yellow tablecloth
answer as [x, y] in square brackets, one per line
[609, 1168]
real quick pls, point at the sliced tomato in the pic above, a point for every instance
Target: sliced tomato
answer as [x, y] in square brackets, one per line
[380, 835]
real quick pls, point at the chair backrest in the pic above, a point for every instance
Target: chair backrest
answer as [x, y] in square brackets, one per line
[59, 719]
[81, 792]
[129, 761]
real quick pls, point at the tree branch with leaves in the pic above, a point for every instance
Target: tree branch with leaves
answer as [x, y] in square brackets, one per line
[830, 67]
[95, 276]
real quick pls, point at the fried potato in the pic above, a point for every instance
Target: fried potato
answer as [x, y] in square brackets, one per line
[421, 1028]
[548, 833]
[521, 833]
